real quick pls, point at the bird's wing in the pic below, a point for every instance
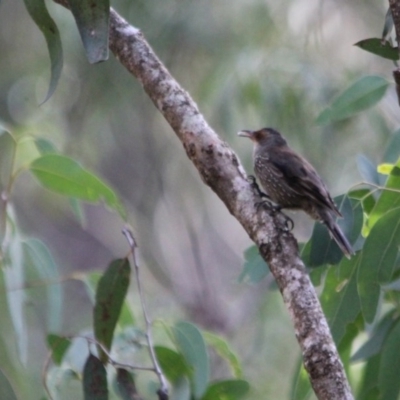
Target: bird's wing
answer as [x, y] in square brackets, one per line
[302, 177]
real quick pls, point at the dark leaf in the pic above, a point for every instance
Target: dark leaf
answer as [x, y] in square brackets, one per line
[110, 296]
[379, 47]
[126, 385]
[94, 379]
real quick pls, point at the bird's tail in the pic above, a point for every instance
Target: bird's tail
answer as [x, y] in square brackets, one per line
[339, 238]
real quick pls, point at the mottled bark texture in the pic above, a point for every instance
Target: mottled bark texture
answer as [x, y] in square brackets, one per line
[395, 9]
[220, 169]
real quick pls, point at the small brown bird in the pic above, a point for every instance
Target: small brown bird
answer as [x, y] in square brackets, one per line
[292, 182]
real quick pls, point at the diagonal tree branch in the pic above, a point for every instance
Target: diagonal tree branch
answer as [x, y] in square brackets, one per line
[220, 169]
[395, 9]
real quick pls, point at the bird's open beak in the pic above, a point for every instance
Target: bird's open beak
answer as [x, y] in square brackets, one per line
[246, 133]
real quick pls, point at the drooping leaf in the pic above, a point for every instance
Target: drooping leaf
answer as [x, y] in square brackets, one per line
[6, 390]
[379, 47]
[368, 389]
[14, 277]
[374, 344]
[110, 296]
[91, 281]
[94, 379]
[7, 149]
[190, 342]
[181, 390]
[126, 385]
[92, 19]
[339, 298]
[223, 349]
[227, 390]
[346, 344]
[58, 345]
[388, 382]
[378, 259]
[41, 259]
[9, 346]
[361, 95]
[65, 176]
[38, 12]
[255, 268]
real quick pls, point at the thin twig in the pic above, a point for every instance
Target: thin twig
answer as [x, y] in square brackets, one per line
[114, 363]
[163, 392]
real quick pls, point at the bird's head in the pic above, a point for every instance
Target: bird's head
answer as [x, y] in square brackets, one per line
[264, 136]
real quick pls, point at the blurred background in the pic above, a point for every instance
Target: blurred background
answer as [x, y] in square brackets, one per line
[247, 64]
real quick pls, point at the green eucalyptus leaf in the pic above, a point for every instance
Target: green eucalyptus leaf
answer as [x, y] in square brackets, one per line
[379, 47]
[388, 382]
[378, 259]
[221, 346]
[66, 177]
[339, 298]
[227, 390]
[190, 342]
[361, 95]
[58, 345]
[38, 12]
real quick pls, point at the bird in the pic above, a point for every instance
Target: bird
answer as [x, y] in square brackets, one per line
[291, 182]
